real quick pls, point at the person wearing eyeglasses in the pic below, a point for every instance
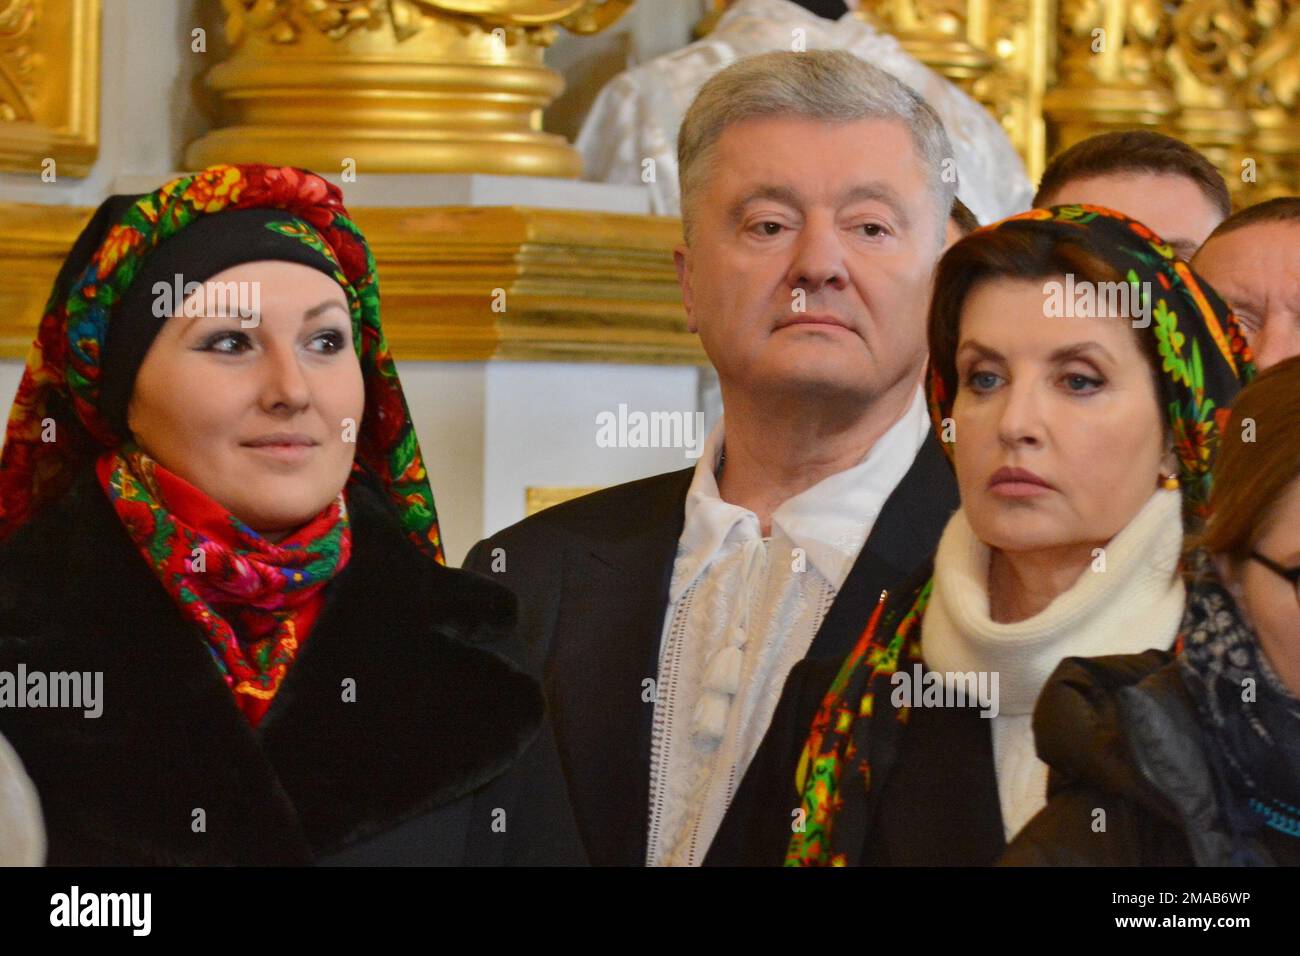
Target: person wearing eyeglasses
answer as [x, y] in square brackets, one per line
[1195, 760]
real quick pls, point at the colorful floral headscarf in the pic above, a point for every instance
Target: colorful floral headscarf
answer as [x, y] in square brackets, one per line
[1204, 356]
[1204, 363]
[58, 421]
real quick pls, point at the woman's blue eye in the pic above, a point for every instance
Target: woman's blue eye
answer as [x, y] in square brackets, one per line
[1079, 383]
[982, 381]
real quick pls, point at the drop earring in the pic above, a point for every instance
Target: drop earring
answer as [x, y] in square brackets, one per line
[1169, 482]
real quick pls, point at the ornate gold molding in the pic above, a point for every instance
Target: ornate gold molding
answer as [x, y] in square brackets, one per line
[936, 32]
[1208, 61]
[1222, 75]
[458, 283]
[49, 85]
[539, 499]
[1271, 95]
[1109, 73]
[434, 86]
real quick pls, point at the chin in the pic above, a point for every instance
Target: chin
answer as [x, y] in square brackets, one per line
[289, 513]
[1018, 530]
[821, 374]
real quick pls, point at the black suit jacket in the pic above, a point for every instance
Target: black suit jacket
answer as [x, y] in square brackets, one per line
[592, 578]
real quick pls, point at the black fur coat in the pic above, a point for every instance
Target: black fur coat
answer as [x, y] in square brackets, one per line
[442, 758]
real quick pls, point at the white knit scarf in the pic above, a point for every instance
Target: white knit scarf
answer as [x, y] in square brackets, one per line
[1134, 604]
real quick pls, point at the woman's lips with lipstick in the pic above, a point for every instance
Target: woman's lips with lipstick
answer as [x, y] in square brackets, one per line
[1017, 483]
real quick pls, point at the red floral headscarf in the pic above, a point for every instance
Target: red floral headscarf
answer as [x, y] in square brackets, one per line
[57, 423]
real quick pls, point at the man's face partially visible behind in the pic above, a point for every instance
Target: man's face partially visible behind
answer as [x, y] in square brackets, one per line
[1172, 206]
[833, 218]
[1256, 269]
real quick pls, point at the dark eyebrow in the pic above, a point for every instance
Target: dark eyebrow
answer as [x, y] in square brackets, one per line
[881, 192]
[1063, 354]
[316, 310]
[983, 351]
[1081, 350]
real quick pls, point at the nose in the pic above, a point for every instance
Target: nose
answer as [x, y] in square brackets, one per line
[1020, 419]
[818, 259]
[1278, 338]
[285, 390]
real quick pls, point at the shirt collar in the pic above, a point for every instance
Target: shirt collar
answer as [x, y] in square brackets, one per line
[830, 521]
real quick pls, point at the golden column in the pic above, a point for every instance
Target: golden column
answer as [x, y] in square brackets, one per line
[394, 86]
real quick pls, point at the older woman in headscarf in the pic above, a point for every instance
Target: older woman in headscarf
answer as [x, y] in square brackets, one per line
[1079, 377]
[1196, 761]
[216, 521]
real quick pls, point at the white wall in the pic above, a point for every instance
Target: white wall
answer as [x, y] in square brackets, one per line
[491, 430]
[540, 427]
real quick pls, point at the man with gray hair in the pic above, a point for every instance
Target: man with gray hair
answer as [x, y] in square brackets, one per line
[669, 611]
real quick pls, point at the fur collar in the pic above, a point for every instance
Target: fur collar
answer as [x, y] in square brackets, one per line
[436, 715]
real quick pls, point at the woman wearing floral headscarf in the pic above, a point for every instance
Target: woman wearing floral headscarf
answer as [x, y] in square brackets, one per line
[216, 518]
[1079, 377]
[1196, 761]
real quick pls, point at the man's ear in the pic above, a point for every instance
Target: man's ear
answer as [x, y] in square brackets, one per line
[682, 260]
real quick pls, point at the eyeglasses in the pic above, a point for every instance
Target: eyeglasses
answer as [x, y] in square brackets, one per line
[1291, 574]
